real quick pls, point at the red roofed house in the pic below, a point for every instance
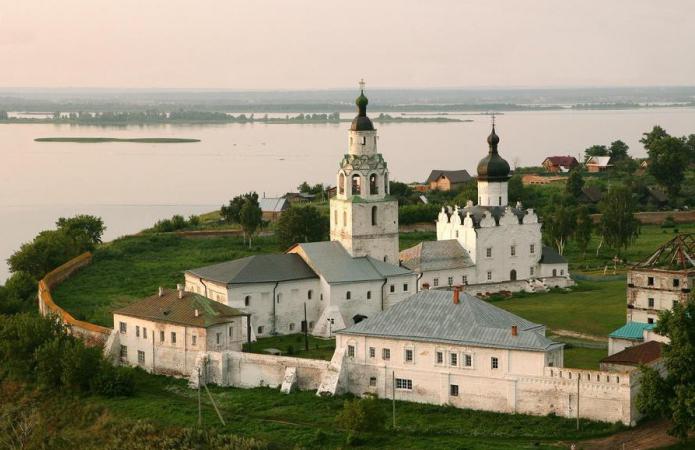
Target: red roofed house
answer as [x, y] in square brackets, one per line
[560, 163]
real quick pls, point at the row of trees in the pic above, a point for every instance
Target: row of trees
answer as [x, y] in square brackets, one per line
[48, 250]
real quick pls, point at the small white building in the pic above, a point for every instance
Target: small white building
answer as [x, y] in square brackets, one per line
[490, 246]
[165, 333]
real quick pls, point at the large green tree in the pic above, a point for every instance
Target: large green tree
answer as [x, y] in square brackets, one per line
[46, 252]
[672, 395]
[619, 227]
[668, 158]
[575, 183]
[231, 213]
[301, 224]
[596, 150]
[618, 151]
[515, 189]
[559, 222]
[583, 229]
[86, 230]
[250, 218]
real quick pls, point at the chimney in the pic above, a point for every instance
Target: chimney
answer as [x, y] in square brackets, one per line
[179, 287]
[456, 296]
[515, 330]
[196, 313]
[161, 291]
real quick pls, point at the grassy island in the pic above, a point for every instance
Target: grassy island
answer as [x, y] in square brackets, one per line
[95, 140]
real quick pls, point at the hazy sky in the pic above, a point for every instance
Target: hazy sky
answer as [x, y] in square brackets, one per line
[298, 44]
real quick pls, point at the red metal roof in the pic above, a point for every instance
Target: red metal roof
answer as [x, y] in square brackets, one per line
[639, 354]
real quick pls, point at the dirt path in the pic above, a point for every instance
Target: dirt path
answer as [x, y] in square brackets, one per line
[646, 436]
[574, 334]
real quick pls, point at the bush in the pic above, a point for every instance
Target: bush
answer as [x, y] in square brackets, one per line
[49, 366]
[669, 222]
[164, 226]
[80, 364]
[112, 381]
[410, 214]
[194, 221]
[363, 414]
[21, 286]
[178, 222]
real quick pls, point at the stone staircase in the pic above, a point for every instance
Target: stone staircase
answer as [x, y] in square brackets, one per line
[536, 285]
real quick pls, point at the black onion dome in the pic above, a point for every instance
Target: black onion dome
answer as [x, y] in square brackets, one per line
[361, 122]
[493, 167]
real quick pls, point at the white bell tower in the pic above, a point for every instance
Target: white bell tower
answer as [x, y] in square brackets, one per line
[364, 218]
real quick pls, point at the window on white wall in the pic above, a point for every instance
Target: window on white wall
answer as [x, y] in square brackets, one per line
[512, 250]
[464, 279]
[141, 357]
[372, 381]
[453, 359]
[454, 390]
[291, 327]
[435, 282]
[194, 339]
[450, 280]
[123, 327]
[467, 360]
[489, 275]
[309, 294]
[532, 248]
[137, 331]
[372, 352]
[405, 287]
[161, 336]
[488, 252]
[408, 355]
[494, 363]
[439, 358]
[173, 337]
[531, 271]
[392, 288]
[144, 333]
[351, 351]
[247, 300]
[385, 354]
[369, 295]
[348, 295]
[404, 384]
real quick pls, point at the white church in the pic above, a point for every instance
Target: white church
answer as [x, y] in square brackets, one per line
[491, 246]
[360, 272]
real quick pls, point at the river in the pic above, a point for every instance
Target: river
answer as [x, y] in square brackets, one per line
[132, 185]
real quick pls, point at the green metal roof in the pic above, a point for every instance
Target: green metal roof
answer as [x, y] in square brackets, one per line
[632, 330]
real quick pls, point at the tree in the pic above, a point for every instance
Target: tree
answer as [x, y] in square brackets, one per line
[21, 286]
[84, 229]
[583, 229]
[559, 223]
[618, 151]
[515, 189]
[469, 191]
[250, 218]
[231, 213]
[619, 227]
[301, 224]
[596, 150]
[47, 251]
[364, 414]
[401, 191]
[668, 158]
[575, 183]
[672, 395]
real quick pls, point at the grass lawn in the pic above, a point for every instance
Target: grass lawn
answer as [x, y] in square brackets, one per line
[303, 420]
[592, 307]
[293, 345]
[584, 358]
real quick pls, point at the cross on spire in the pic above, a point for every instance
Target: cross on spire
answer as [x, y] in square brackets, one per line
[493, 120]
[362, 83]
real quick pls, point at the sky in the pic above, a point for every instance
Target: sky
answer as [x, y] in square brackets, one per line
[323, 44]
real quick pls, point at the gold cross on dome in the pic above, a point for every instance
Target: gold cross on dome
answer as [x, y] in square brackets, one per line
[493, 120]
[362, 83]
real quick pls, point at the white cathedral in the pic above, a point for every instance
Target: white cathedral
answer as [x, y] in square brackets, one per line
[359, 272]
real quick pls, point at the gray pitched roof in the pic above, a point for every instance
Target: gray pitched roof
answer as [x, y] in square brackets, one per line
[455, 176]
[334, 263]
[551, 256]
[431, 316]
[257, 269]
[192, 310]
[436, 255]
[268, 204]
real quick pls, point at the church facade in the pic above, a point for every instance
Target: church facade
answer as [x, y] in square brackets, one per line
[489, 246]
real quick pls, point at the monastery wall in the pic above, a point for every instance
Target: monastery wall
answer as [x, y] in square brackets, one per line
[91, 333]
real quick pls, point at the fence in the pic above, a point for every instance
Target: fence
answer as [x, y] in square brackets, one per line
[89, 332]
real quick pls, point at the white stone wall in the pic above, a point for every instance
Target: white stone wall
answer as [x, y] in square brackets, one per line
[165, 356]
[442, 277]
[492, 193]
[522, 383]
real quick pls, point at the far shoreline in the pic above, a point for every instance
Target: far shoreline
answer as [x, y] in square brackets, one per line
[97, 140]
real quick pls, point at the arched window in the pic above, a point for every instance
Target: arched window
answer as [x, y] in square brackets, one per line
[512, 275]
[348, 295]
[387, 188]
[291, 327]
[356, 184]
[373, 186]
[373, 215]
[247, 300]
[499, 200]
[341, 184]
[309, 294]
[554, 272]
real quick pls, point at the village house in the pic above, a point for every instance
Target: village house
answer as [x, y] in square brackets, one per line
[447, 180]
[272, 208]
[597, 164]
[560, 164]
[338, 282]
[166, 332]
[447, 348]
[489, 246]
[631, 358]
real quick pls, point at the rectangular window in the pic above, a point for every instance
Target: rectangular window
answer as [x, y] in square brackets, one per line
[408, 355]
[464, 279]
[439, 358]
[194, 339]
[369, 295]
[385, 354]
[351, 351]
[450, 280]
[488, 252]
[173, 337]
[372, 381]
[372, 352]
[494, 362]
[650, 302]
[217, 338]
[650, 281]
[532, 249]
[392, 288]
[137, 331]
[676, 282]
[675, 302]
[161, 336]
[144, 333]
[650, 320]
[404, 383]
[405, 287]
[454, 359]
[513, 250]
[435, 282]
[260, 330]
[454, 390]
[123, 327]
[231, 331]
[141, 357]
[124, 352]
[489, 275]
[468, 360]
[531, 271]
